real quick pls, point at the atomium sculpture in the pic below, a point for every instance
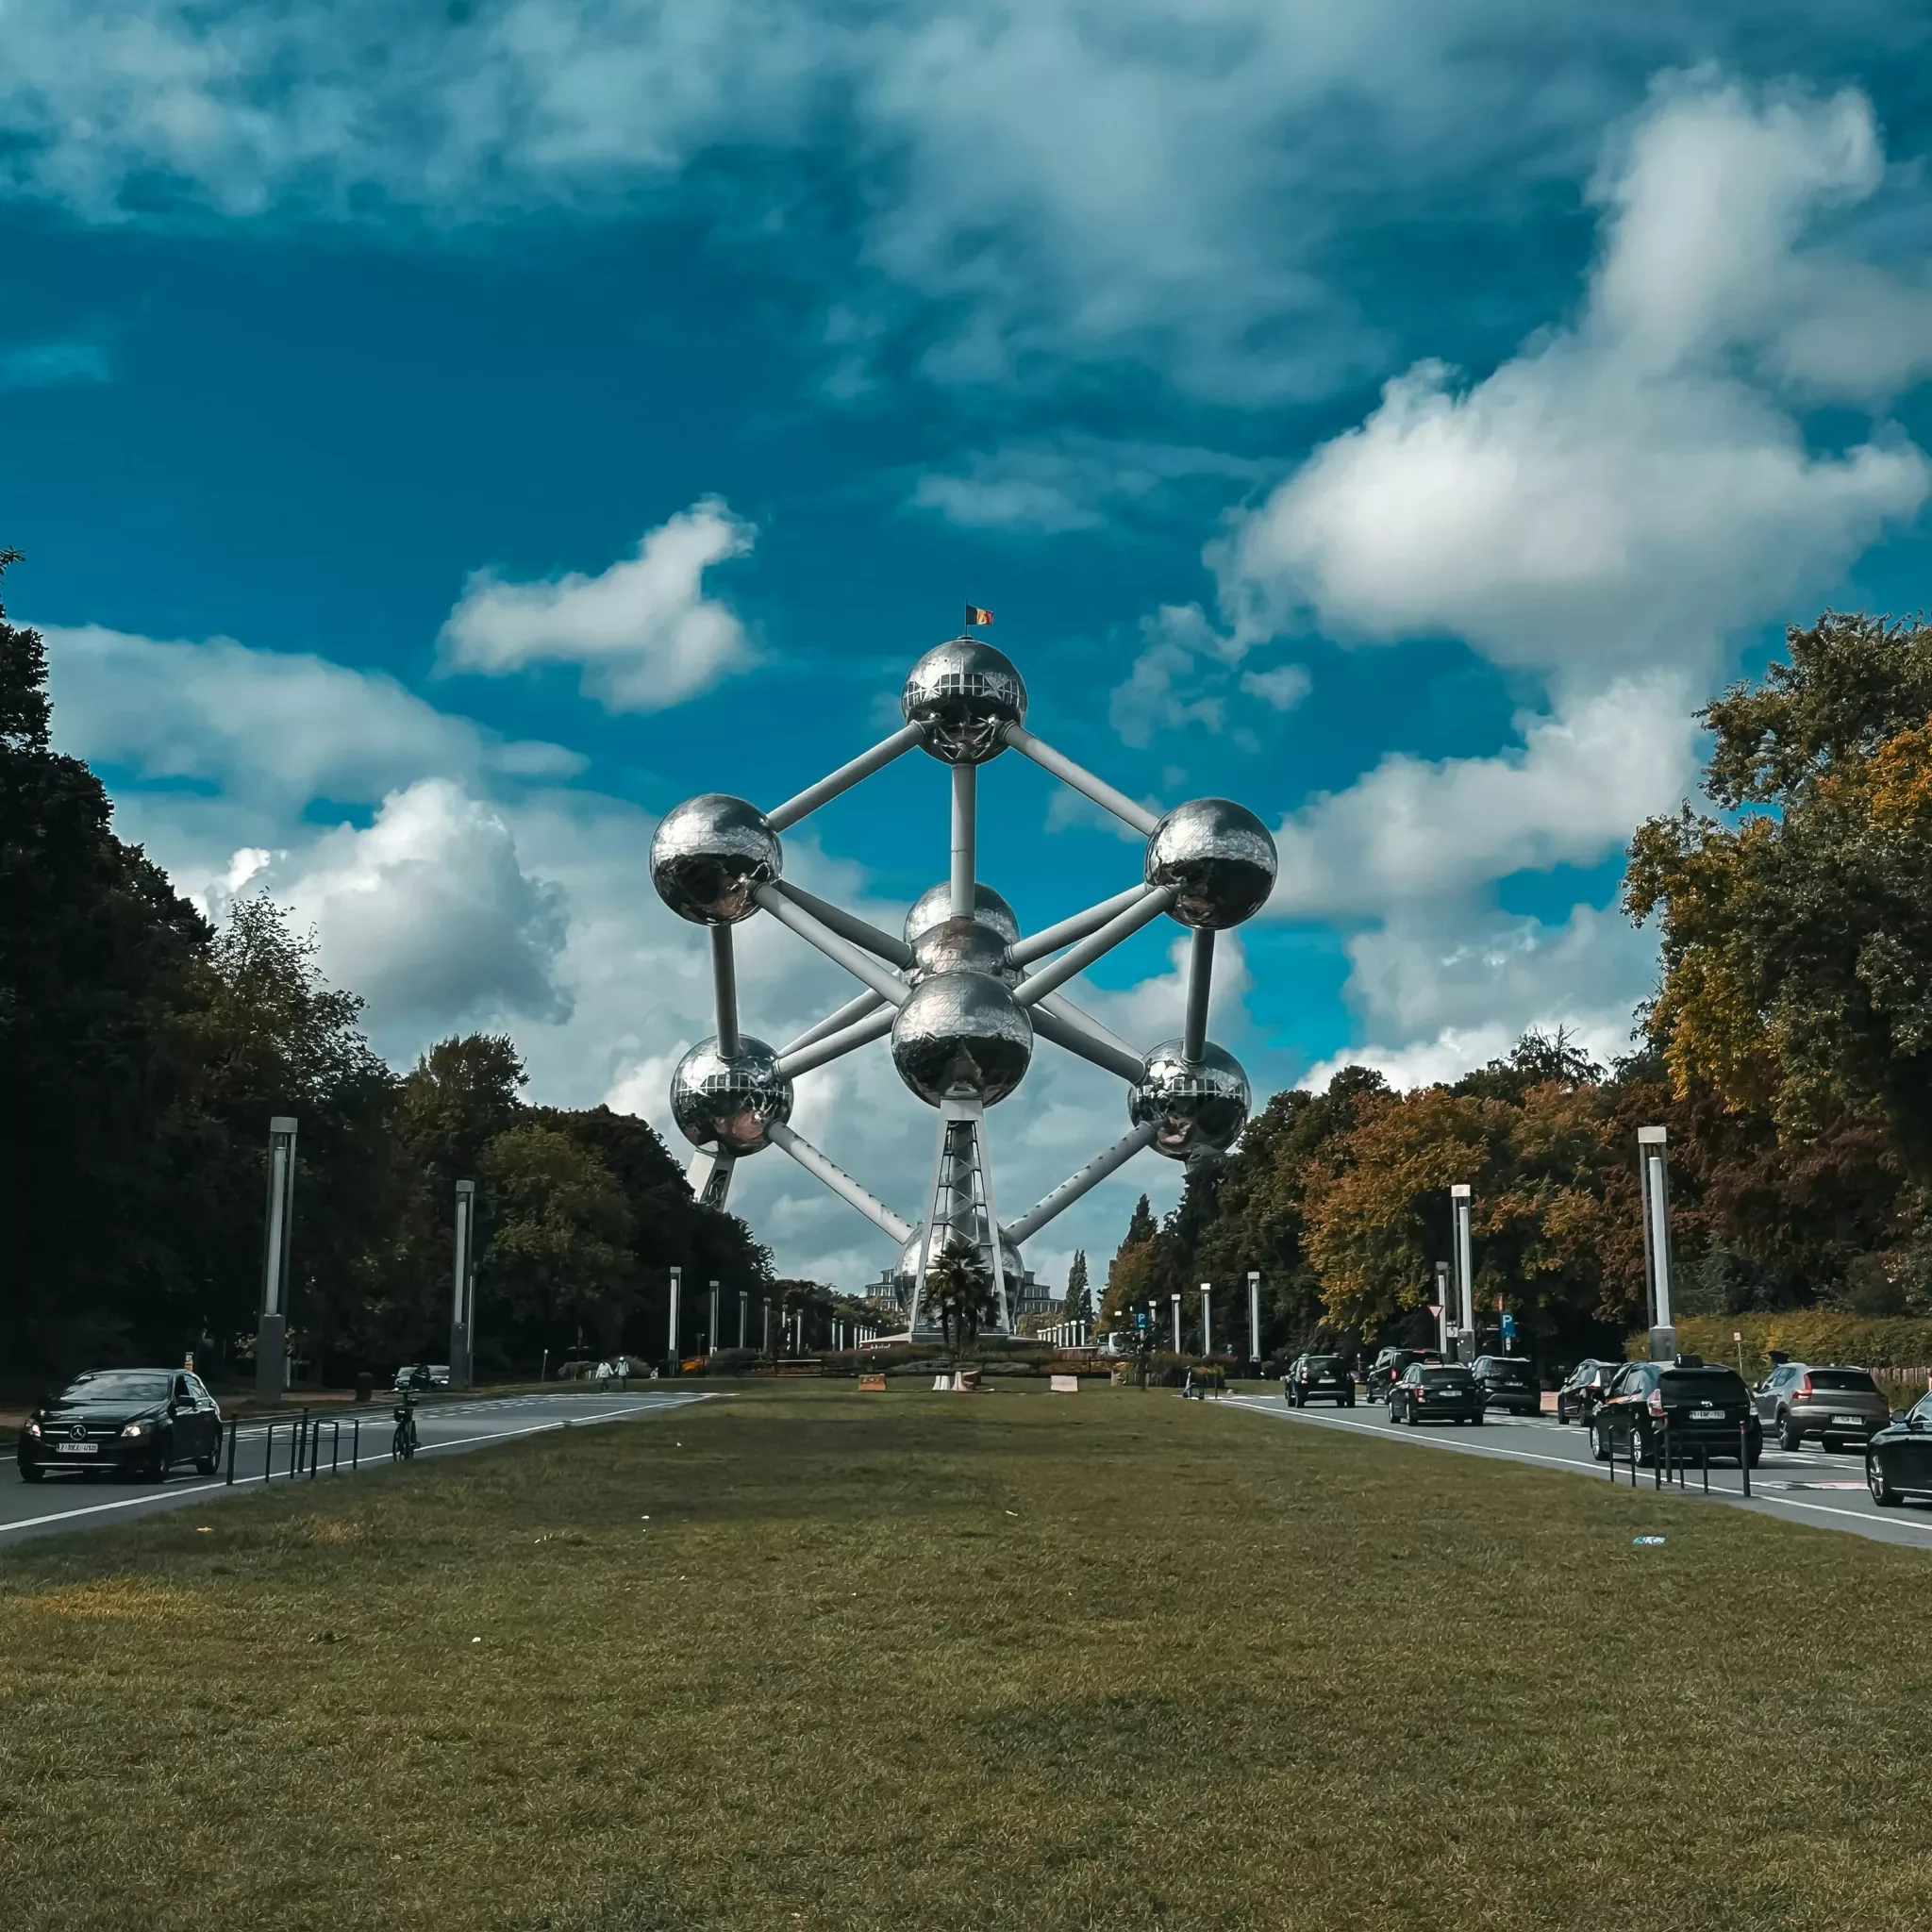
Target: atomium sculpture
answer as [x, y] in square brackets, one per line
[961, 992]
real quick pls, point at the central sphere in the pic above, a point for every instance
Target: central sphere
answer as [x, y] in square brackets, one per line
[961, 1030]
[709, 853]
[962, 945]
[963, 693]
[1219, 856]
[1196, 1107]
[729, 1099]
[935, 905]
[1010, 1264]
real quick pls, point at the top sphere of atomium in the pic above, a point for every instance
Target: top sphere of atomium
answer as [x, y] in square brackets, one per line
[1195, 1107]
[708, 856]
[934, 907]
[961, 1031]
[730, 1100]
[1218, 856]
[964, 694]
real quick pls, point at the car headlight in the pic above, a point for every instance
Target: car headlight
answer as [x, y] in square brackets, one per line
[33, 1428]
[137, 1428]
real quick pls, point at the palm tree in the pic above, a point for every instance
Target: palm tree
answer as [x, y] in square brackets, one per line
[958, 1285]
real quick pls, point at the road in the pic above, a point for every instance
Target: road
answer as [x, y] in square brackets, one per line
[1805, 1486]
[77, 1502]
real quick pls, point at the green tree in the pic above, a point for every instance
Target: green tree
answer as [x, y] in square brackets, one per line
[959, 1289]
[1078, 1305]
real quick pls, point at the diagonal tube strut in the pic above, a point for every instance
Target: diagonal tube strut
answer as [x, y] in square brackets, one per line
[1077, 1041]
[1061, 1008]
[814, 931]
[1070, 1189]
[822, 1168]
[796, 1060]
[1078, 959]
[1082, 780]
[833, 1023]
[1051, 938]
[848, 926]
[845, 777]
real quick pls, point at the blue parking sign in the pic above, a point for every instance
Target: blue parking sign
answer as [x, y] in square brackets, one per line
[1509, 1327]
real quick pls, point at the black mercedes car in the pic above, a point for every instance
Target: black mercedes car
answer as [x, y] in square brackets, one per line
[1898, 1460]
[1436, 1392]
[135, 1422]
[1509, 1382]
[1318, 1378]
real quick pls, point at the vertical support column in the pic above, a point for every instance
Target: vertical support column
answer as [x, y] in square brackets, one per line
[676, 1291]
[1200, 990]
[462, 1288]
[272, 1331]
[1465, 1284]
[710, 1175]
[1175, 1298]
[1206, 1319]
[725, 989]
[965, 789]
[711, 1332]
[1254, 1315]
[1443, 1309]
[1654, 1173]
[743, 1311]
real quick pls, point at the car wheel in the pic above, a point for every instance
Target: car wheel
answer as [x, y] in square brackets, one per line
[1599, 1444]
[31, 1472]
[206, 1465]
[1882, 1492]
[1477, 1419]
[1788, 1434]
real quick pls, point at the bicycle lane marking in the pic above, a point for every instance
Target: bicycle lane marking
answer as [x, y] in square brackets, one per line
[181, 1491]
[1259, 1405]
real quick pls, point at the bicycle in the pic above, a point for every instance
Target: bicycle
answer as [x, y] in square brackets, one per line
[402, 1446]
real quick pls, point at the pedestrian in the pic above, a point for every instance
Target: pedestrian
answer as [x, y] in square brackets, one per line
[604, 1370]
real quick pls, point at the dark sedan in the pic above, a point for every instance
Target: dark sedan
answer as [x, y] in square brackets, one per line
[135, 1422]
[1699, 1410]
[1430, 1393]
[1898, 1460]
[1583, 1389]
[1318, 1378]
[1509, 1382]
[1390, 1366]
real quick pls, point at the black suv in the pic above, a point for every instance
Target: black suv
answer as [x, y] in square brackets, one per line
[1318, 1378]
[1583, 1389]
[1436, 1392]
[1509, 1382]
[1390, 1366]
[1699, 1407]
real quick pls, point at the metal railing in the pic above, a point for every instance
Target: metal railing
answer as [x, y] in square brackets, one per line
[304, 1446]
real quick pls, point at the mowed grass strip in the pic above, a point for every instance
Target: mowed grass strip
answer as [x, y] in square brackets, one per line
[926, 1660]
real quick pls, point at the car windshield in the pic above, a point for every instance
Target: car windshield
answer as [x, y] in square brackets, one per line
[1714, 1386]
[1446, 1379]
[1851, 1381]
[1924, 1409]
[120, 1385]
[1323, 1362]
[1508, 1365]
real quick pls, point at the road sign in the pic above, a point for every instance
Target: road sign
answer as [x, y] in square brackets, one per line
[1435, 1308]
[1508, 1329]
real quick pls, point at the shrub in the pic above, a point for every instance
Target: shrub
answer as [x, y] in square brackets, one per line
[1807, 1335]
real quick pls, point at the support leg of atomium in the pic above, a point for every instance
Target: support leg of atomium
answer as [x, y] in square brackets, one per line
[960, 1004]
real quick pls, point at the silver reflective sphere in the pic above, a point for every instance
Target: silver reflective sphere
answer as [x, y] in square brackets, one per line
[1219, 856]
[963, 693]
[935, 905]
[961, 1030]
[1009, 1257]
[1197, 1108]
[962, 945]
[729, 1100]
[707, 854]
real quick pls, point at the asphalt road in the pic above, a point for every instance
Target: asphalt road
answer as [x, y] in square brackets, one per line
[263, 1449]
[1808, 1485]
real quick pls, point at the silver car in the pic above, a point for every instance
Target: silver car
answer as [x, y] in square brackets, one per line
[1832, 1404]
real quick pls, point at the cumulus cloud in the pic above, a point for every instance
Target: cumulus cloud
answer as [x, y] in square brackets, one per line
[1637, 488]
[55, 363]
[643, 632]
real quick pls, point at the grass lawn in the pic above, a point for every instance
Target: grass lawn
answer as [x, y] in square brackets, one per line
[804, 1657]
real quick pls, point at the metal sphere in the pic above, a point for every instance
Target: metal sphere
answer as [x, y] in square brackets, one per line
[935, 905]
[961, 1030]
[1010, 1256]
[962, 945]
[1219, 856]
[706, 856]
[1198, 1107]
[729, 1100]
[963, 693]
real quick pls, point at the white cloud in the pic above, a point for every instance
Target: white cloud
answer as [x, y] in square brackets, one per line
[1281, 689]
[428, 913]
[1634, 489]
[54, 363]
[643, 631]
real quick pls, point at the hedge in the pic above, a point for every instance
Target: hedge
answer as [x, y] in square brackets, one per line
[1806, 1335]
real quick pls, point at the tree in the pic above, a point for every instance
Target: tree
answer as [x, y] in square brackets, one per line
[558, 1252]
[1078, 1305]
[959, 1289]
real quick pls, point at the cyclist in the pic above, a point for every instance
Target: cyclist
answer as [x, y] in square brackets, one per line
[403, 1444]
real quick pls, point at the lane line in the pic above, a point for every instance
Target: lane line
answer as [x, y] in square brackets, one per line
[1259, 1405]
[164, 1494]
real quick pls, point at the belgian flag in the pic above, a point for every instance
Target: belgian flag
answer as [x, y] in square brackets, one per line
[976, 616]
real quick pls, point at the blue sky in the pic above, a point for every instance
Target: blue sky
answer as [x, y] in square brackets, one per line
[442, 439]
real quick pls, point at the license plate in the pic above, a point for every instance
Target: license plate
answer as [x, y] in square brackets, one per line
[1706, 1415]
[76, 1448]
[1851, 1422]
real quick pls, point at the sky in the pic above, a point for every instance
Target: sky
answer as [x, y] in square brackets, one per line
[442, 438]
